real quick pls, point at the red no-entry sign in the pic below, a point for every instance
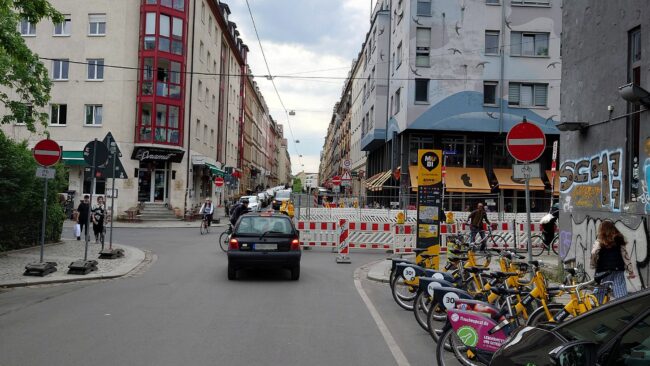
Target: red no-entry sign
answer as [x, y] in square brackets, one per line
[47, 152]
[218, 181]
[526, 142]
[336, 180]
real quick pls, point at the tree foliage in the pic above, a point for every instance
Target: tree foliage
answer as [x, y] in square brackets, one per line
[25, 83]
[21, 198]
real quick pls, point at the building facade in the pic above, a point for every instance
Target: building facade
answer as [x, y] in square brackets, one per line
[455, 76]
[164, 79]
[605, 148]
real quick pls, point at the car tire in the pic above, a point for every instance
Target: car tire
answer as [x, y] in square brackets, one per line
[232, 272]
[295, 273]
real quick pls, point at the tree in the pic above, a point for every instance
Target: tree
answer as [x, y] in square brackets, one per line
[25, 83]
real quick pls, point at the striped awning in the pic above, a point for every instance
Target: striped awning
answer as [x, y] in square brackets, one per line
[371, 180]
[215, 171]
[378, 184]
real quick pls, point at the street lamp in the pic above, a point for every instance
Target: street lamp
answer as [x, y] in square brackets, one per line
[634, 94]
[571, 126]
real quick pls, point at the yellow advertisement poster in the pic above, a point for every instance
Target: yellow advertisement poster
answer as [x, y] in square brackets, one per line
[429, 167]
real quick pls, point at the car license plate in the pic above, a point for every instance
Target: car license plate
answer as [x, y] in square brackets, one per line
[266, 246]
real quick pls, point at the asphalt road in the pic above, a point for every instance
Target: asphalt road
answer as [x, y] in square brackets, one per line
[183, 310]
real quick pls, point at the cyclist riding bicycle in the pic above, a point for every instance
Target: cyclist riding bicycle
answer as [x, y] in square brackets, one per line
[548, 223]
[475, 220]
[207, 209]
[239, 210]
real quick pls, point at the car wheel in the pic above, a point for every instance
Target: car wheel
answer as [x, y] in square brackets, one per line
[295, 273]
[232, 272]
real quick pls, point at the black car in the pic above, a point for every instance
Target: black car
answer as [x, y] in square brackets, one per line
[264, 240]
[280, 197]
[617, 333]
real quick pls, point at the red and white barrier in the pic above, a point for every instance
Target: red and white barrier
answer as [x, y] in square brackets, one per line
[344, 242]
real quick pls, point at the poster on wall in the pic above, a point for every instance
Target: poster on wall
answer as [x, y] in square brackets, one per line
[429, 200]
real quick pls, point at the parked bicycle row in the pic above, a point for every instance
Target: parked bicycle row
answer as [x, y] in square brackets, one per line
[471, 309]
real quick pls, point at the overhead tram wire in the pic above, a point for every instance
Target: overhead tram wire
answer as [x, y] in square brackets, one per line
[271, 78]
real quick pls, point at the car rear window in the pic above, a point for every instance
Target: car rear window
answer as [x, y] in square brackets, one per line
[258, 225]
[283, 194]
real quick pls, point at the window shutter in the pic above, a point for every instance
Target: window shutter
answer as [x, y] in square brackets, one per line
[541, 92]
[515, 43]
[513, 93]
[526, 95]
[423, 37]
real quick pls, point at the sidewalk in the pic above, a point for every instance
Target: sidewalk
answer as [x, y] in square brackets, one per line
[12, 264]
[380, 271]
[69, 224]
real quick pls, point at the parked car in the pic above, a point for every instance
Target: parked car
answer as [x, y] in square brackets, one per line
[281, 196]
[617, 333]
[264, 240]
[263, 198]
[253, 203]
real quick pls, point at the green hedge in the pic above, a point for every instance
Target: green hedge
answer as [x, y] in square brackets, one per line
[21, 198]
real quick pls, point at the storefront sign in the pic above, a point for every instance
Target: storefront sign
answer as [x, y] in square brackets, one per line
[159, 154]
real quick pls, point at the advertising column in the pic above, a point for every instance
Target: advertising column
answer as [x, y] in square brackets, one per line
[429, 200]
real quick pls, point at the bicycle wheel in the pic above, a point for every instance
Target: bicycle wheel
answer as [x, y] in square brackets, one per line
[496, 241]
[203, 228]
[403, 294]
[436, 318]
[458, 353]
[539, 316]
[538, 245]
[555, 245]
[223, 241]
[421, 309]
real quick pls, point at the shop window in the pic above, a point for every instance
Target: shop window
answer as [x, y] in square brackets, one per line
[474, 152]
[454, 150]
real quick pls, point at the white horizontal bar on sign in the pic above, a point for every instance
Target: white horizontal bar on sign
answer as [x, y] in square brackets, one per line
[518, 142]
[47, 152]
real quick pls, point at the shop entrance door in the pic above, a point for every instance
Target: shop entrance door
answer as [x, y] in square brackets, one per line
[144, 185]
[159, 188]
[152, 184]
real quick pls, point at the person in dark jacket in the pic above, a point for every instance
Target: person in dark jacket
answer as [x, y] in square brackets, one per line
[83, 212]
[239, 210]
[548, 227]
[610, 255]
[476, 219]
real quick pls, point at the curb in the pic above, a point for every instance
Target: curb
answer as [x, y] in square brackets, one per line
[138, 257]
[377, 276]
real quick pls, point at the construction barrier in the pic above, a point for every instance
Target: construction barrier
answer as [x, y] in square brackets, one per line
[344, 243]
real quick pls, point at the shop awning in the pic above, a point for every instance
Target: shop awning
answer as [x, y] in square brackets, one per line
[556, 186]
[73, 158]
[372, 180]
[378, 184]
[504, 177]
[466, 180]
[413, 176]
[215, 171]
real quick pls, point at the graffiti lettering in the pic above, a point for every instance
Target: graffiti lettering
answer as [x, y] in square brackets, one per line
[599, 174]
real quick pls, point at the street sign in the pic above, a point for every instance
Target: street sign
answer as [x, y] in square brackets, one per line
[218, 181]
[554, 150]
[111, 193]
[336, 189]
[347, 163]
[100, 151]
[523, 171]
[346, 179]
[526, 141]
[119, 171]
[336, 180]
[47, 152]
[47, 173]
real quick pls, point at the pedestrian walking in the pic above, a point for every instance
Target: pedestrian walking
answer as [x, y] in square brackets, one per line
[609, 255]
[98, 215]
[207, 210]
[83, 210]
[476, 219]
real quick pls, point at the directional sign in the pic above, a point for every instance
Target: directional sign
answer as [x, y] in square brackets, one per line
[524, 171]
[526, 141]
[99, 150]
[47, 173]
[336, 180]
[47, 152]
[218, 181]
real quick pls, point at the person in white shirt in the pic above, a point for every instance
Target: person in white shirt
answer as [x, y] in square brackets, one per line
[207, 209]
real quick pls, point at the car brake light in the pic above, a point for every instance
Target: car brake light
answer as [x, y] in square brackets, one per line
[234, 244]
[295, 244]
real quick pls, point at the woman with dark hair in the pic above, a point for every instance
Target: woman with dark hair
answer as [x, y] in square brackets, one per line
[609, 254]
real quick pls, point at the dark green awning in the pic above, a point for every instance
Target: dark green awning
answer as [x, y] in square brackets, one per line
[215, 171]
[73, 158]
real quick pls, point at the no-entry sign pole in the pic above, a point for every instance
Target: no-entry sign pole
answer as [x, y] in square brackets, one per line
[113, 150]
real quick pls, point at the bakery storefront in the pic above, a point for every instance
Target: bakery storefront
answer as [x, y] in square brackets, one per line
[155, 172]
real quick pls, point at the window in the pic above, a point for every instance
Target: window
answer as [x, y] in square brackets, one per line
[196, 130]
[205, 134]
[490, 92]
[491, 42]
[532, 2]
[63, 29]
[95, 69]
[212, 137]
[398, 60]
[150, 31]
[145, 122]
[492, 2]
[528, 44]
[164, 33]
[635, 45]
[474, 152]
[200, 90]
[207, 93]
[633, 123]
[214, 103]
[421, 90]
[60, 69]
[179, 4]
[168, 79]
[93, 115]
[27, 28]
[424, 8]
[97, 24]
[209, 24]
[371, 118]
[528, 95]
[422, 44]
[633, 346]
[177, 36]
[397, 100]
[147, 76]
[202, 11]
[201, 49]
[59, 114]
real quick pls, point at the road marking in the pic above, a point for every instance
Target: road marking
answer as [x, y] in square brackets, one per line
[383, 329]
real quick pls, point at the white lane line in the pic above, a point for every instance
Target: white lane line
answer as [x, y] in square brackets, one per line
[383, 329]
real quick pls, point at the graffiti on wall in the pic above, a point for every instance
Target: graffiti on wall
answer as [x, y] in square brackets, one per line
[577, 244]
[594, 182]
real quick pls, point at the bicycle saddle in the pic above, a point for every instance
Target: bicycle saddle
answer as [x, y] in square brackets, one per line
[476, 269]
[534, 263]
[505, 291]
[457, 251]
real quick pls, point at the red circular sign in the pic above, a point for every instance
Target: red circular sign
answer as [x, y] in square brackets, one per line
[526, 141]
[47, 152]
[336, 180]
[218, 181]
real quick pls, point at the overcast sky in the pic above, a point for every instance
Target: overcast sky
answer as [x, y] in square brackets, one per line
[303, 38]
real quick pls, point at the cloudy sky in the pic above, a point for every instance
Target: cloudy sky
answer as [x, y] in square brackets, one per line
[303, 38]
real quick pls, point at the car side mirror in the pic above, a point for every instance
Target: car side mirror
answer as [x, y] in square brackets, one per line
[576, 353]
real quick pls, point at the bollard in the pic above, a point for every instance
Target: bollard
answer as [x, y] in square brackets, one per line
[343, 244]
